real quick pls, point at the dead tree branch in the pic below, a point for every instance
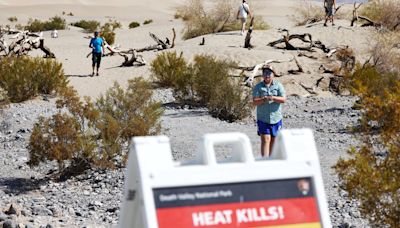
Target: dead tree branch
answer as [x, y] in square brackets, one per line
[248, 80]
[248, 35]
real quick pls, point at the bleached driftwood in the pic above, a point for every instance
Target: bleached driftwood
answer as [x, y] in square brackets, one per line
[306, 38]
[254, 70]
[24, 42]
[136, 59]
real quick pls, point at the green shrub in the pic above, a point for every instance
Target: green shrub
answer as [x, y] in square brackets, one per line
[148, 21]
[107, 31]
[125, 114]
[84, 133]
[13, 19]
[89, 26]
[24, 77]
[210, 74]
[167, 67]
[219, 18]
[53, 23]
[134, 24]
[206, 82]
[371, 173]
[231, 101]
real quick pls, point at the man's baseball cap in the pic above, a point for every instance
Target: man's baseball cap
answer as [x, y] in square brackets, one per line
[267, 71]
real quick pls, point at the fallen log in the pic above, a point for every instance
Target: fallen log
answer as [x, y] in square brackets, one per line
[306, 37]
[357, 17]
[299, 67]
[309, 89]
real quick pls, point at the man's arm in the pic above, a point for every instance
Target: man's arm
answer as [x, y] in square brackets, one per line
[249, 12]
[261, 100]
[334, 4]
[102, 46]
[90, 44]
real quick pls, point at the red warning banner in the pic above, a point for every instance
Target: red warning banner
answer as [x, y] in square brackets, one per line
[300, 212]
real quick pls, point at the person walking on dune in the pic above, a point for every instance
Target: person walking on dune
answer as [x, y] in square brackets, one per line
[330, 6]
[268, 97]
[243, 12]
[97, 46]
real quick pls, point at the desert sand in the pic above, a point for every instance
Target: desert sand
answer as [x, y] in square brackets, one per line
[71, 47]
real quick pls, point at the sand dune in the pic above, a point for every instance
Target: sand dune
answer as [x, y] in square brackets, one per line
[71, 47]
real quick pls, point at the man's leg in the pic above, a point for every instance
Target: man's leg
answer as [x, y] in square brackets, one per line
[265, 145]
[98, 64]
[271, 144]
[93, 63]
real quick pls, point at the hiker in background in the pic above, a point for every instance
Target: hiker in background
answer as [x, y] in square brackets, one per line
[54, 34]
[243, 12]
[268, 96]
[97, 45]
[330, 6]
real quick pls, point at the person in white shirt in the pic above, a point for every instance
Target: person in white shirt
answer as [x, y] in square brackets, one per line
[243, 12]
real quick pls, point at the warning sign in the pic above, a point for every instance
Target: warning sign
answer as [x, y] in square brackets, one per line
[279, 203]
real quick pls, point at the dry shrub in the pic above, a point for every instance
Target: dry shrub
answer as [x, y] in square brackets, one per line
[371, 174]
[149, 21]
[108, 31]
[230, 101]
[88, 25]
[25, 77]
[85, 133]
[210, 74]
[219, 17]
[166, 67]
[53, 23]
[385, 12]
[386, 52]
[13, 19]
[125, 114]
[307, 12]
[205, 82]
[133, 24]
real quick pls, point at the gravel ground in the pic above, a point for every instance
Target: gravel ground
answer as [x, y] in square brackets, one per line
[93, 199]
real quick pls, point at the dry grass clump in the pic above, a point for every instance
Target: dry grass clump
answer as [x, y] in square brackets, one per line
[308, 12]
[12, 19]
[53, 23]
[88, 25]
[108, 31]
[219, 17]
[133, 24]
[205, 82]
[386, 53]
[86, 134]
[25, 77]
[149, 21]
[384, 12]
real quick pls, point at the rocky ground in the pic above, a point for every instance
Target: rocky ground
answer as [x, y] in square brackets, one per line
[93, 199]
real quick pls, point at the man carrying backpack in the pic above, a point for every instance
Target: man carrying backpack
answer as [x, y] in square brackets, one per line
[243, 12]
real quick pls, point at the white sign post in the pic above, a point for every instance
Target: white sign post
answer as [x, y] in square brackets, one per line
[285, 190]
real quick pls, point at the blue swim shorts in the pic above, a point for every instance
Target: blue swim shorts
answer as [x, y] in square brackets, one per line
[269, 129]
